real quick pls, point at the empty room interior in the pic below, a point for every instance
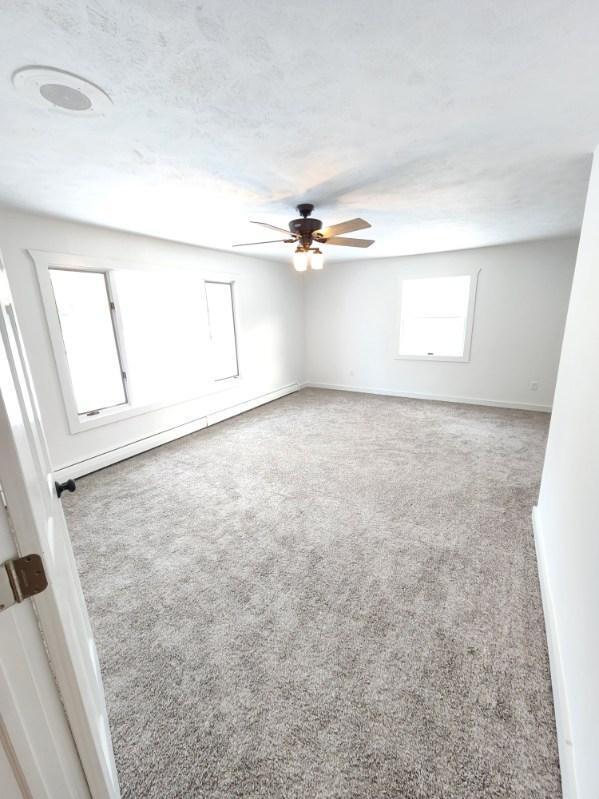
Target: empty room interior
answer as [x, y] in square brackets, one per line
[299, 413]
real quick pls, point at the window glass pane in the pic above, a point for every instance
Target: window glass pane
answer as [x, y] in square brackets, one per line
[434, 314]
[164, 329]
[438, 296]
[89, 342]
[223, 346]
[432, 336]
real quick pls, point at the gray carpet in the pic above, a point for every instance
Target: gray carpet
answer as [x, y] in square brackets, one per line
[334, 595]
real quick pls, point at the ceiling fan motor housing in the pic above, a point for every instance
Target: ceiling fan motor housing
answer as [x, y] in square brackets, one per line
[304, 227]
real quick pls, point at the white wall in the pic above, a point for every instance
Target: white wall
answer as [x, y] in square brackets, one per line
[346, 316]
[269, 297]
[351, 325]
[567, 520]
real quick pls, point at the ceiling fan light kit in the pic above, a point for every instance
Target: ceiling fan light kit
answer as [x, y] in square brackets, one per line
[316, 259]
[304, 259]
[301, 259]
[306, 232]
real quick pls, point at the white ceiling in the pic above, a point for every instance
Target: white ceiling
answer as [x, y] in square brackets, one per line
[445, 123]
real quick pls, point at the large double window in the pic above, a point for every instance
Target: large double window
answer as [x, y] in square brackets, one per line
[127, 339]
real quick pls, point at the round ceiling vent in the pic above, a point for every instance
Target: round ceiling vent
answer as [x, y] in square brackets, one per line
[62, 91]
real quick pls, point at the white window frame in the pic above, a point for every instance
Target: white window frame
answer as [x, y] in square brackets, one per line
[77, 423]
[431, 274]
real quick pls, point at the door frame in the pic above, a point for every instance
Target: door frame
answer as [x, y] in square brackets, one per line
[39, 526]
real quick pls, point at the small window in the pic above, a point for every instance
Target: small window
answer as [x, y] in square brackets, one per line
[436, 317]
[85, 315]
[221, 320]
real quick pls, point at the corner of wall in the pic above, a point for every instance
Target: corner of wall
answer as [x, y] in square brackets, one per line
[302, 377]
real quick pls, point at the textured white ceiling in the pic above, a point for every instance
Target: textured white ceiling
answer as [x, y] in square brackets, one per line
[445, 123]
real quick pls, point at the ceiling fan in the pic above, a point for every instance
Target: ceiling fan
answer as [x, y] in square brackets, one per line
[307, 232]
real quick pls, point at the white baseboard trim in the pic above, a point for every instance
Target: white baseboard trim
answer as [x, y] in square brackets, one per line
[104, 459]
[560, 701]
[522, 406]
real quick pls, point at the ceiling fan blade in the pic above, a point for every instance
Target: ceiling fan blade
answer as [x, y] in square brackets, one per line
[343, 227]
[272, 227]
[272, 241]
[343, 242]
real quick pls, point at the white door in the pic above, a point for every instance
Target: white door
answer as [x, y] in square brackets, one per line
[37, 753]
[62, 629]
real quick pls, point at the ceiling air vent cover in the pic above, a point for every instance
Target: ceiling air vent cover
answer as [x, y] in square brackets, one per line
[62, 91]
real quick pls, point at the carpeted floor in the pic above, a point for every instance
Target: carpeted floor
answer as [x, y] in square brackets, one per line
[334, 595]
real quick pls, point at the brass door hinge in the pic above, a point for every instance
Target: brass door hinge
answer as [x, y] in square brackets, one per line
[21, 578]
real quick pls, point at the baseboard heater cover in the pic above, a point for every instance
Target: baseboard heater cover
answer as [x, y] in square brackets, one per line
[100, 461]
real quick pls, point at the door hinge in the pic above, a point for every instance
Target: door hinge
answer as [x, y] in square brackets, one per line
[21, 578]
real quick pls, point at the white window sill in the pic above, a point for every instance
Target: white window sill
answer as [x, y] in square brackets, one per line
[80, 423]
[449, 358]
